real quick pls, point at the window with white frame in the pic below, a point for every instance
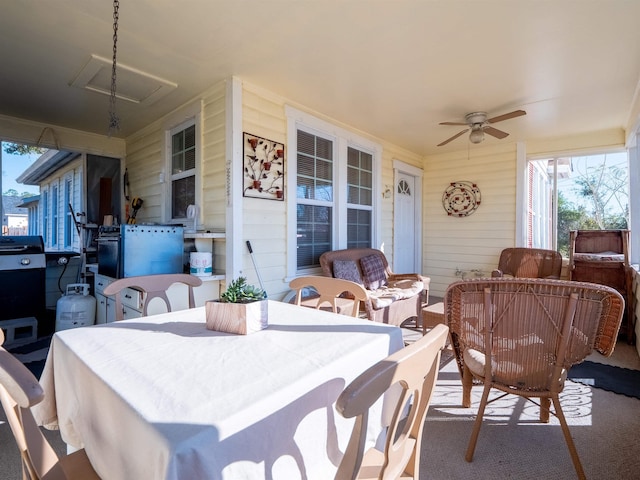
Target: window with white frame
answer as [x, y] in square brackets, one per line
[315, 198]
[359, 198]
[68, 216]
[183, 164]
[575, 192]
[54, 215]
[332, 185]
[45, 217]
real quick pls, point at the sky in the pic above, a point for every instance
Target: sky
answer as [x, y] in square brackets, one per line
[12, 167]
[580, 165]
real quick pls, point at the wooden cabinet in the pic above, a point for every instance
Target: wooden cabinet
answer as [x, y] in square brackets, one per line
[602, 256]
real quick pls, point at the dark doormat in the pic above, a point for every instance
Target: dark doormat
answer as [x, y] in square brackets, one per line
[613, 379]
[35, 366]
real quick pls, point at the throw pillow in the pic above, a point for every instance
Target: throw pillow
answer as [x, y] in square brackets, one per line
[347, 270]
[373, 272]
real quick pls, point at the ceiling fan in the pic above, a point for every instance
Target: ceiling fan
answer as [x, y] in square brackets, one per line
[479, 124]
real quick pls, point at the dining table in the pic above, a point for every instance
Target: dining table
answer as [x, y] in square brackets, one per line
[164, 397]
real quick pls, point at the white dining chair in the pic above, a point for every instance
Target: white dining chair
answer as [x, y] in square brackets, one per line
[153, 286]
[414, 370]
[19, 391]
[329, 291]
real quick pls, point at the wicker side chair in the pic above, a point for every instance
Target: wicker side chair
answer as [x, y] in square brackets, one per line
[521, 336]
[529, 263]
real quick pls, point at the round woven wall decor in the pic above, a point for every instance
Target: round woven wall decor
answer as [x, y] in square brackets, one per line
[461, 199]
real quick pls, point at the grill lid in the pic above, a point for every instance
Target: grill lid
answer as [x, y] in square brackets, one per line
[20, 244]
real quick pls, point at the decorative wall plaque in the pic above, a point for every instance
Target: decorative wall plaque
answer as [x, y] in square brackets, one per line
[263, 168]
[461, 199]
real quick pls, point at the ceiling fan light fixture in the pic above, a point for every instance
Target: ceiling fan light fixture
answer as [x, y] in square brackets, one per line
[476, 136]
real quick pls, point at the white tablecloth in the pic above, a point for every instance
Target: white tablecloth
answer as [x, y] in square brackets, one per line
[162, 397]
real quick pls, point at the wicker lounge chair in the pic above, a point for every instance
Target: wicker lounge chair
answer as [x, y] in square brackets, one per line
[529, 263]
[391, 298]
[521, 336]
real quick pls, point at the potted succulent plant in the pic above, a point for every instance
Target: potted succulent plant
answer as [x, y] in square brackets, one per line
[239, 291]
[242, 309]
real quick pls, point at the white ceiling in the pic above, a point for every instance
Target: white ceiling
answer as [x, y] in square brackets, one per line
[394, 69]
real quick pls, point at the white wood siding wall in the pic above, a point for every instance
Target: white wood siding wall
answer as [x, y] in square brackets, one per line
[264, 221]
[145, 163]
[473, 242]
[213, 169]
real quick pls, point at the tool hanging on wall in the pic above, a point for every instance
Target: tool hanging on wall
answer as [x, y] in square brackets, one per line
[255, 266]
[125, 184]
[126, 188]
[136, 204]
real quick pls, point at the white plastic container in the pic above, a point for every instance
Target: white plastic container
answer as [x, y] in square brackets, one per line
[201, 264]
[76, 308]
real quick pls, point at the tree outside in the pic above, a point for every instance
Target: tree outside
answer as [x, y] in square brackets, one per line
[15, 159]
[594, 197]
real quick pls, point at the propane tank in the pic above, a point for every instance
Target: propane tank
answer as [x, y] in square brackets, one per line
[76, 308]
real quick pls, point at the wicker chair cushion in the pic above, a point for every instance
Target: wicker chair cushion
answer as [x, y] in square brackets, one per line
[395, 290]
[513, 373]
[373, 271]
[347, 270]
[599, 257]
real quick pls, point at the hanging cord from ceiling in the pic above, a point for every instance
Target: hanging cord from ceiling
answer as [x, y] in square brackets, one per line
[53, 134]
[114, 121]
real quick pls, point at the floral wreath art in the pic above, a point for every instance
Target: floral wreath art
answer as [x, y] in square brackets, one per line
[461, 199]
[263, 168]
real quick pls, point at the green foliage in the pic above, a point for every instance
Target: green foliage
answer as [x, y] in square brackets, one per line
[18, 149]
[605, 188]
[572, 217]
[239, 291]
[14, 193]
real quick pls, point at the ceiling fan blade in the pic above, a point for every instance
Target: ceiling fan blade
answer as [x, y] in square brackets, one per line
[494, 132]
[454, 137]
[452, 123]
[507, 116]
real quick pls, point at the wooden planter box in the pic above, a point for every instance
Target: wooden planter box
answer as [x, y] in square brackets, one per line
[239, 318]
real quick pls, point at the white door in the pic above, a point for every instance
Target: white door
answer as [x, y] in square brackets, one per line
[407, 223]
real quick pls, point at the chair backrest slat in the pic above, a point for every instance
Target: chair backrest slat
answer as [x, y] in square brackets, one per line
[407, 375]
[153, 286]
[329, 289]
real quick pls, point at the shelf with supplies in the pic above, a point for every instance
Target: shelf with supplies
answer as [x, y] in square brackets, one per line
[212, 234]
[199, 238]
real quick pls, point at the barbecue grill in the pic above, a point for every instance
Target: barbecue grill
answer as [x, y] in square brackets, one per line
[22, 279]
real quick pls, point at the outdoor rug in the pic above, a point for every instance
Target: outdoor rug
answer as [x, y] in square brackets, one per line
[614, 379]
